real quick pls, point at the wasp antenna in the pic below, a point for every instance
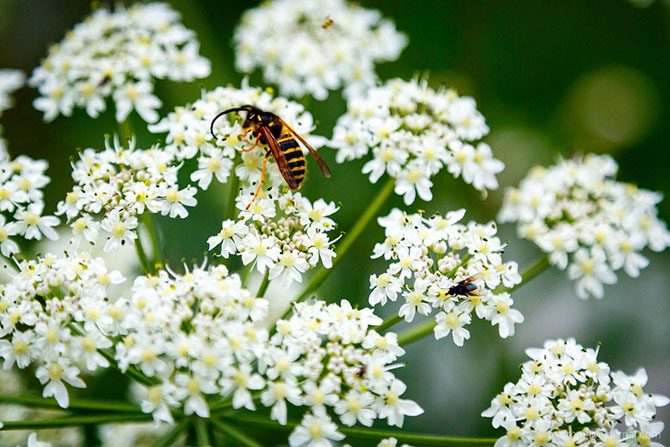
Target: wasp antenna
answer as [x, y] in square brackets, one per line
[246, 108]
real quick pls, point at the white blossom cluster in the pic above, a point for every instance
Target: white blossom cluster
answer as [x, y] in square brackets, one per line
[188, 136]
[313, 46]
[22, 202]
[10, 80]
[115, 186]
[283, 234]
[413, 133]
[118, 53]
[432, 260]
[55, 315]
[196, 333]
[586, 221]
[565, 396]
[327, 357]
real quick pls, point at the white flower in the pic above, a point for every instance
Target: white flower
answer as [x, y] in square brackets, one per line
[317, 46]
[413, 132]
[53, 375]
[437, 264]
[315, 431]
[121, 183]
[565, 396]
[117, 53]
[393, 408]
[10, 80]
[586, 221]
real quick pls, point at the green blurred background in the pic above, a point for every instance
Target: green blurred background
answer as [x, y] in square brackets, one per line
[551, 78]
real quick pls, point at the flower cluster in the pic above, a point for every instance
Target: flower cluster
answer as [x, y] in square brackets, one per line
[22, 203]
[311, 47]
[10, 80]
[328, 358]
[413, 132]
[118, 53]
[196, 333]
[189, 135]
[437, 264]
[121, 184]
[587, 222]
[55, 314]
[284, 235]
[565, 396]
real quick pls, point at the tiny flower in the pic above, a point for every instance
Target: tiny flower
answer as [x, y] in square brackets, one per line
[303, 55]
[587, 222]
[413, 132]
[566, 397]
[117, 53]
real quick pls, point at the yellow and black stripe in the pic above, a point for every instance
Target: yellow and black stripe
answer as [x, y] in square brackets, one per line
[290, 148]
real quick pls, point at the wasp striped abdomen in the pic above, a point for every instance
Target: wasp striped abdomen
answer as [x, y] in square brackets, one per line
[290, 148]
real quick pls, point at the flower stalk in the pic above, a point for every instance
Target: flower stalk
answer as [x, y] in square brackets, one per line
[368, 433]
[233, 433]
[360, 225]
[74, 421]
[75, 404]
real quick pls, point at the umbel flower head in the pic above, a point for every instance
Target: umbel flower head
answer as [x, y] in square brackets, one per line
[55, 314]
[22, 202]
[455, 270]
[10, 80]
[329, 358]
[283, 234]
[413, 133]
[115, 186]
[565, 396]
[586, 221]
[308, 47]
[118, 53]
[189, 136]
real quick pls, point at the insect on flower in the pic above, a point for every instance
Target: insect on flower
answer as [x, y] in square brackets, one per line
[282, 142]
[465, 287]
[327, 22]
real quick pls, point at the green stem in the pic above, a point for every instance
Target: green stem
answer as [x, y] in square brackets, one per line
[144, 260]
[125, 131]
[74, 421]
[422, 329]
[531, 272]
[417, 332]
[264, 285]
[233, 183]
[360, 225]
[170, 437]
[201, 434]
[236, 435]
[368, 433]
[75, 404]
[12, 263]
[109, 355]
[148, 221]
[388, 323]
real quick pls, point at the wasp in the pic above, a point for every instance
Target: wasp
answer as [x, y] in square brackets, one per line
[326, 24]
[465, 287]
[282, 142]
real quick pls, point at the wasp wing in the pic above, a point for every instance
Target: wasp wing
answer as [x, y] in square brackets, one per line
[322, 164]
[280, 159]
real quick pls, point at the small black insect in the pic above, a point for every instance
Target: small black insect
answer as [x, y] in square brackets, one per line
[465, 287]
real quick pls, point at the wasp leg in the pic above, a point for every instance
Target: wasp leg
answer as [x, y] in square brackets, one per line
[260, 184]
[253, 146]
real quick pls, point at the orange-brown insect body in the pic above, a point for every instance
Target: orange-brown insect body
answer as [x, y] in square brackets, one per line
[282, 142]
[265, 127]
